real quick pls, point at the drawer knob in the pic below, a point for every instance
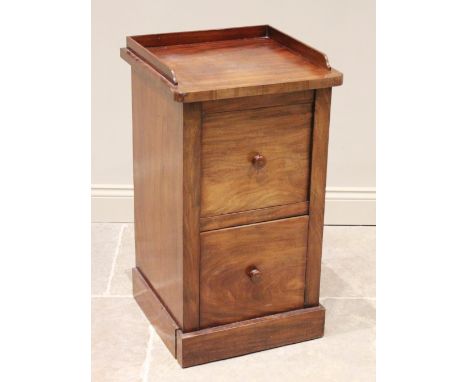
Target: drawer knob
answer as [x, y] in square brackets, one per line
[258, 161]
[254, 274]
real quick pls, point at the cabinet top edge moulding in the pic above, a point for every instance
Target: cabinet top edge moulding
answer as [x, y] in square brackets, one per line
[229, 63]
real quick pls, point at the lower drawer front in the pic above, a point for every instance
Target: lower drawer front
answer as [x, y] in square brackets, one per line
[252, 270]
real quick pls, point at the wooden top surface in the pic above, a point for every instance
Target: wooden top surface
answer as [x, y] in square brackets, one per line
[209, 65]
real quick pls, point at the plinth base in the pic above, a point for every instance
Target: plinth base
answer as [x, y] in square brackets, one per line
[231, 340]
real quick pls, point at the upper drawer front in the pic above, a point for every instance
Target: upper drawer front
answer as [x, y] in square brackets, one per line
[255, 158]
[252, 270]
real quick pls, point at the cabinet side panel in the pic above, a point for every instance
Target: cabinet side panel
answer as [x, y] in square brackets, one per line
[157, 177]
[192, 173]
[317, 194]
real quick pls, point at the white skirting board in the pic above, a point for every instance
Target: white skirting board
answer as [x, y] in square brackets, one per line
[343, 206]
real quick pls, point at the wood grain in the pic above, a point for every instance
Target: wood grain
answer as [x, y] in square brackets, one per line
[249, 336]
[319, 81]
[234, 62]
[247, 103]
[313, 55]
[218, 65]
[191, 211]
[158, 200]
[158, 65]
[155, 311]
[230, 183]
[143, 68]
[230, 137]
[196, 37]
[254, 216]
[317, 195]
[277, 249]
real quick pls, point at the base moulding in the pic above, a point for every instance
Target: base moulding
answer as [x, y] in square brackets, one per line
[230, 340]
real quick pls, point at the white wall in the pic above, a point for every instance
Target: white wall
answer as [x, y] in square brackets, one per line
[345, 30]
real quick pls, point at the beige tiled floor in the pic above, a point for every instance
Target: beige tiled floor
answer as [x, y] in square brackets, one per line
[126, 348]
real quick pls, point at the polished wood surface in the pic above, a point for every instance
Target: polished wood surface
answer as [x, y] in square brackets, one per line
[158, 65]
[317, 195]
[276, 249]
[223, 64]
[230, 137]
[235, 62]
[158, 189]
[313, 55]
[247, 103]
[191, 214]
[195, 37]
[254, 216]
[142, 67]
[231, 140]
[157, 314]
[249, 336]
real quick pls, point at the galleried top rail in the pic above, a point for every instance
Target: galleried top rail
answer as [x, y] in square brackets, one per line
[228, 63]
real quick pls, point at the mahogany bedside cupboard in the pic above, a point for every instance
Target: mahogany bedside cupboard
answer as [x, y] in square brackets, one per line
[230, 138]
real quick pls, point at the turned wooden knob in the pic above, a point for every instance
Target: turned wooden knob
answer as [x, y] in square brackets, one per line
[254, 274]
[258, 161]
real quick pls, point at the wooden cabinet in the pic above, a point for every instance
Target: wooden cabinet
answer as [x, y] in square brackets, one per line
[230, 136]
